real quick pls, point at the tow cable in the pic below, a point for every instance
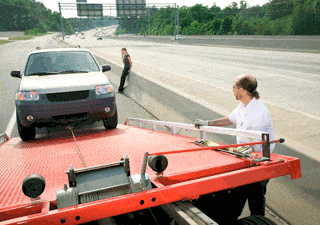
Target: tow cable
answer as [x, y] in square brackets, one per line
[81, 157]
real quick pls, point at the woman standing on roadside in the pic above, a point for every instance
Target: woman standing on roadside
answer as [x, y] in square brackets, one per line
[127, 67]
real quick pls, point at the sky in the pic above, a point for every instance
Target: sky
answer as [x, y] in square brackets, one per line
[53, 4]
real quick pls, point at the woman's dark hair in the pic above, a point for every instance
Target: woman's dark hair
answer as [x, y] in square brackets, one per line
[249, 84]
[124, 49]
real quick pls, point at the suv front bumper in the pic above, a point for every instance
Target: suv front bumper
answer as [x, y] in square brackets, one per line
[65, 112]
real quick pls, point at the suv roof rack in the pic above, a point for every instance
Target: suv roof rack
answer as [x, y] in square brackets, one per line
[60, 46]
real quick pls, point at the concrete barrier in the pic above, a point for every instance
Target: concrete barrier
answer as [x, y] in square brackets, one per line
[270, 42]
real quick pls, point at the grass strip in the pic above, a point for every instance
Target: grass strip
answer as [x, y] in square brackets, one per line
[2, 42]
[20, 38]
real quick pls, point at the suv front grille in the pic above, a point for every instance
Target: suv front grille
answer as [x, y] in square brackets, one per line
[68, 96]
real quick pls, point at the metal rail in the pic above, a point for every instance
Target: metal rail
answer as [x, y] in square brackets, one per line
[256, 135]
[203, 129]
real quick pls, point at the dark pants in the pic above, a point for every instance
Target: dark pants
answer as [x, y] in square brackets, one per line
[226, 206]
[255, 193]
[125, 72]
[218, 206]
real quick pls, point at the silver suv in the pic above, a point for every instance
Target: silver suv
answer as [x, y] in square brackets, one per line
[62, 86]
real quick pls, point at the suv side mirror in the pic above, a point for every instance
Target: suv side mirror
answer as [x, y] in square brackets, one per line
[106, 68]
[16, 74]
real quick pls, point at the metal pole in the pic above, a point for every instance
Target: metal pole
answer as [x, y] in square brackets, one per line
[143, 171]
[149, 20]
[177, 20]
[61, 23]
[266, 146]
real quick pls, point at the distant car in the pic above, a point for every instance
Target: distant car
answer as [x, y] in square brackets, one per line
[63, 86]
[99, 38]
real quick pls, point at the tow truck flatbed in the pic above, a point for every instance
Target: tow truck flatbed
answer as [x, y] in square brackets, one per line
[188, 175]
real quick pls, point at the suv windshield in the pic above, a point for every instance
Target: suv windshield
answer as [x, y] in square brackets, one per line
[48, 63]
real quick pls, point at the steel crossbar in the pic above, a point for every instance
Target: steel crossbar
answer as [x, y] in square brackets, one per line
[202, 129]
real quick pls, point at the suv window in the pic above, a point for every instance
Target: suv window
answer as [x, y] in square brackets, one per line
[46, 63]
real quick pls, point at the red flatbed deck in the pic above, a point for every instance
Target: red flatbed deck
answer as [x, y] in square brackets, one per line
[188, 175]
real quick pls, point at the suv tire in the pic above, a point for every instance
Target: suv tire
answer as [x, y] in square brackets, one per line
[26, 133]
[111, 122]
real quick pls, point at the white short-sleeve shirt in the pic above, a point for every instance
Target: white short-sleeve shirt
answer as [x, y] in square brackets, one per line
[255, 116]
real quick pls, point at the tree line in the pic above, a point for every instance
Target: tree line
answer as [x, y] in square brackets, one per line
[277, 17]
[30, 16]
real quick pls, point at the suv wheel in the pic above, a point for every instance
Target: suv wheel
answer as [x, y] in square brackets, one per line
[26, 133]
[112, 122]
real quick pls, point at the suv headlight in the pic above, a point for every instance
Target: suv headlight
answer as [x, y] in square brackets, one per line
[28, 96]
[103, 89]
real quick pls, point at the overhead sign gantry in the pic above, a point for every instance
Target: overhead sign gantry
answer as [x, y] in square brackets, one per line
[124, 9]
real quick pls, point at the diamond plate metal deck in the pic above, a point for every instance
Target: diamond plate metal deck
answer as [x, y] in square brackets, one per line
[51, 158]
